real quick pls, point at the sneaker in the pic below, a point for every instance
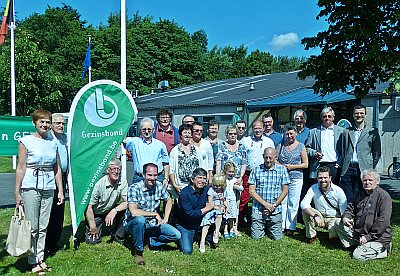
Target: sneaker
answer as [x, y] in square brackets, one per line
[139, 260]
[238, 234]
[227, 236]
[232, 235]
[389, 248]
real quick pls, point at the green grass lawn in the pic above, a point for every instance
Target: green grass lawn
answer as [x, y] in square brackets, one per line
[6, 164]
[241, 256]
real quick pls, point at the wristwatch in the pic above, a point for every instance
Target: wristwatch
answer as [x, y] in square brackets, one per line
[314, 216]
[116, 210]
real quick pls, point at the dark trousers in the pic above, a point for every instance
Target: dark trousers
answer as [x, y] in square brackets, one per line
[116, 228]
[351, 183]
[56, 221]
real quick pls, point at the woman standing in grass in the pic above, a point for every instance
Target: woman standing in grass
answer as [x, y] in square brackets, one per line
[36, 177]
[293, 155]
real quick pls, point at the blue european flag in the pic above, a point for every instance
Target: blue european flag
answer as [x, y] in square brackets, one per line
[87, 62]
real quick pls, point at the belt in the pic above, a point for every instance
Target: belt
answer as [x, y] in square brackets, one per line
[140, 174]
[334, 162]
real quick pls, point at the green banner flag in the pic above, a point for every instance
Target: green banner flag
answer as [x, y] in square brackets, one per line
[101, 114]
[11, 129]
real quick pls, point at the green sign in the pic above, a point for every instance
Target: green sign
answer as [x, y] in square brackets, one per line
[11, 129]
[100, 116]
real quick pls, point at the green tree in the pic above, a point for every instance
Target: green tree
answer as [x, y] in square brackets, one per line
[360, 47]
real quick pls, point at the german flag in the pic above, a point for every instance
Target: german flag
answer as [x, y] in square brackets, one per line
[7, 19]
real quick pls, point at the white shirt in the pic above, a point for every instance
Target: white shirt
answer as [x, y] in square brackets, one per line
[205, 154]
[328, 144]
[357, 134]
[255, 149]
[335, 195]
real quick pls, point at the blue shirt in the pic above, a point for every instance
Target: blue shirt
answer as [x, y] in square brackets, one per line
[143, 152]
[190, 204]
[268, 184]
[276, 137]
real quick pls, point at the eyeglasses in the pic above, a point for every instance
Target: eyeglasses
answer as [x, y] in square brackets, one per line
[197, 130]
[115, 169]
[147, 129]
[241, 127]
[59, 123]
[232, 133]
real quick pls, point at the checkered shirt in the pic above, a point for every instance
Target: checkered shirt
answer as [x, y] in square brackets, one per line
[268, 184]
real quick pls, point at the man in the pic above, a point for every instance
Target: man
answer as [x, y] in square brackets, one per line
[107, 204]
[165, 131]
[366, 222]
[300, 119]
[241, 126]
[363, 152]
[269, 131]
[204, 150]
[188, 119]
[268, 187]
[326, 145]
[146, 149]
[192, 206]
[329, 201]
[142, 218]
[57, 211]
[212, 137]
[255, 146]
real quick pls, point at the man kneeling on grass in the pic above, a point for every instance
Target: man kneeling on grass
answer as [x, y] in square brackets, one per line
[107, 205]
[366, 222]
[330, 203]
[144, 198]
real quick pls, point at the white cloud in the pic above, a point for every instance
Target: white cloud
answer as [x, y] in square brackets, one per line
[284, 41]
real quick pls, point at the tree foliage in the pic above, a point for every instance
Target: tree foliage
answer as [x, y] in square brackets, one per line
[50, 50]
[360, 48]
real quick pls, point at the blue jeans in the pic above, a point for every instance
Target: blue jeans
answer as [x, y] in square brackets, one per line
[266, 224]
[186, 241]
[159, 235]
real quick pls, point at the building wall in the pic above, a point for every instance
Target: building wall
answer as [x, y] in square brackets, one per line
[388, 123]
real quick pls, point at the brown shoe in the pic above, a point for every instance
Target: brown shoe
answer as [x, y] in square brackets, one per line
[139, 260]
[312, 240]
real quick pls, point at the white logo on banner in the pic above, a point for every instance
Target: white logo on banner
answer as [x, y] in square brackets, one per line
[94, 109]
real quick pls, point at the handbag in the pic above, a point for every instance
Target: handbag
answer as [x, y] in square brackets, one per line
[19, 235]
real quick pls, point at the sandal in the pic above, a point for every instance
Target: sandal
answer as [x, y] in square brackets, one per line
[44, 266]
[37, 269]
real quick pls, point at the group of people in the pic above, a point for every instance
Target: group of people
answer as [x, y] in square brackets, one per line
[205, 184]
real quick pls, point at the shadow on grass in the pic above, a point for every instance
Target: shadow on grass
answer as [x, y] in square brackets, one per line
[395, 220]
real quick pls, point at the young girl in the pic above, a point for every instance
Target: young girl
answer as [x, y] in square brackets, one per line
[217, 195]
[233, 190]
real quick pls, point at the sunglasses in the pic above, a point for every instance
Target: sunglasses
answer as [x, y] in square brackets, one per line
[147, 129]
[241, 128]
[197, 130]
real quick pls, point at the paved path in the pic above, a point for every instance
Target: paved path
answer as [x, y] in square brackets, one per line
[7, 182]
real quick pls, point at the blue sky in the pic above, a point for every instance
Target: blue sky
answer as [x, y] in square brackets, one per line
[273, 26]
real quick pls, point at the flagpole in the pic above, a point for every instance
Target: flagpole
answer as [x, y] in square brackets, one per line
[90, 66]
[13, 102]
[123, 77]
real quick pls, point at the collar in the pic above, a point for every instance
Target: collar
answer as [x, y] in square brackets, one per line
[144, 141]
[331, 127]
[269, 134]
[170, 130]
[262, 166]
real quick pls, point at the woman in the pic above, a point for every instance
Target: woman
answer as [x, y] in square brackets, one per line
[233, 151]
[36, 176]
[293, 155]
[183, 161]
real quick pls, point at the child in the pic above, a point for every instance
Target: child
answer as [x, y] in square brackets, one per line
[216, 194]
[233, 190]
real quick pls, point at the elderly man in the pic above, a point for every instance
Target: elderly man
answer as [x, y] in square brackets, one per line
[329, 201]
[268, 187]
[146, 149]
[142, 218]
[241, 126]
[192, 206]
[269, 131]
[188, 120]
[164, 130]
[366, 222]
[363, 152]
[300, 119]
[204, 150]
[326, 145]
[255, 146]
[107, 204]
[57, 211]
